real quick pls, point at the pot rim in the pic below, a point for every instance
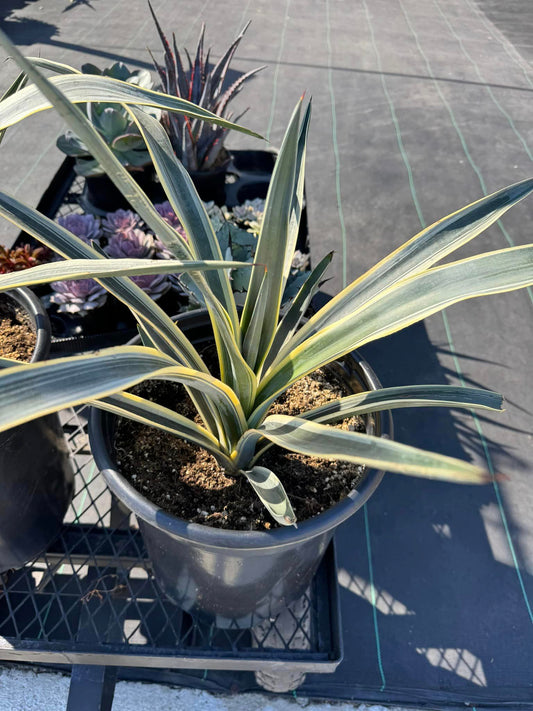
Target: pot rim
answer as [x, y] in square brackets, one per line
[35, 309]
[216, 537]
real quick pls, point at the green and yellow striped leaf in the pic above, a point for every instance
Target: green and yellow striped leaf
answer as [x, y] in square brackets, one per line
[36, 389]
[149, 413]
[421, 252]
[403, 304]
[273, 243]
[83, 128]
[99, 268]
[187, 205]
[311, 438]
[270, 490]
[297, 309]
[81, 88]
[449, 396]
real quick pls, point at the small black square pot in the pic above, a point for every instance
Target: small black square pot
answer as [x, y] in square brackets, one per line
[103, 195]
[234, 578]
[36, 476]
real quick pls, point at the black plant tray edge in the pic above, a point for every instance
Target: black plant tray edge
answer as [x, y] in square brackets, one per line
[152, 659]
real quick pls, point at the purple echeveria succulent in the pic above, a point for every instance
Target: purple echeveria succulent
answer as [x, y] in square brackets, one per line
[78, 296]
[120, 221]
[86, 227]
[161, 252]
[249, 211]
[134, 243]
[155, 285]
[170, 217]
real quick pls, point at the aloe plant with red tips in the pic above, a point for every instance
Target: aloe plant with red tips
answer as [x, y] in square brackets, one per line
[198, 145]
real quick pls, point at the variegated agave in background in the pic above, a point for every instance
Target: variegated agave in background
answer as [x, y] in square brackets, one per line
[199, 146]
[260, 355]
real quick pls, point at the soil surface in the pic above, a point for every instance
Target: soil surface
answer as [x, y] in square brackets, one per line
[186, 481]
[17, 337]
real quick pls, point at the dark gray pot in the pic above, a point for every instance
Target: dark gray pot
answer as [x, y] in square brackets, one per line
[235, 578]
[36, 476]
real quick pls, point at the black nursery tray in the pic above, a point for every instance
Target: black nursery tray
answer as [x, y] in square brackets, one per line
[91, 602]
[248, 177]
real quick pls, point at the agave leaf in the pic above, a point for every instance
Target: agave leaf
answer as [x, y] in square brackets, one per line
[183, 84]
[399, 397]
[422, 251]
[72, 381]
[209, 157]
[219, 71]
[253, 334]
[403, 304]
[18, 84]
[196, 74]
[161, 72]
[296, 312]
[84, 88]
[234, 89]
[215, 289]
[98, 268]
[405, 396]
[145, 337]
[56, 67]
[149, 413]
[162, 331]
[270, 490]
[298, 197]
[169, 59]
[116, 91]
[190, 210]
[8, 362]
[311, 438]
[272, 244]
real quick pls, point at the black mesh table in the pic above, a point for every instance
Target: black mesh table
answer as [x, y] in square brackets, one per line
[91, 603]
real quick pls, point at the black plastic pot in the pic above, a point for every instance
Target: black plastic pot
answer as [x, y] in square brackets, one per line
[235, 578]
[102, 194]
[36, 476]
[211, 184]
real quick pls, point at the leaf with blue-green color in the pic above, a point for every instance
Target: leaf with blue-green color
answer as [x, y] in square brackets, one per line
[272, 245]
[450, 396]
[401, 305]
[421, 252]
[36, 389]
[150, 413]
[270, 490]
[317, 440]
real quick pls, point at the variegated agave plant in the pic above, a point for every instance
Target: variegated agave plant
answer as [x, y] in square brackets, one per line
[199, 146]
[260, 355]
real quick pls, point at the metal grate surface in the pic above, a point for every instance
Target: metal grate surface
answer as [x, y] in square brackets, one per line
[91, 599]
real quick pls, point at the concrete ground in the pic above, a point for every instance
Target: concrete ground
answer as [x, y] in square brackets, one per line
[28, 691]
[419, 107]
